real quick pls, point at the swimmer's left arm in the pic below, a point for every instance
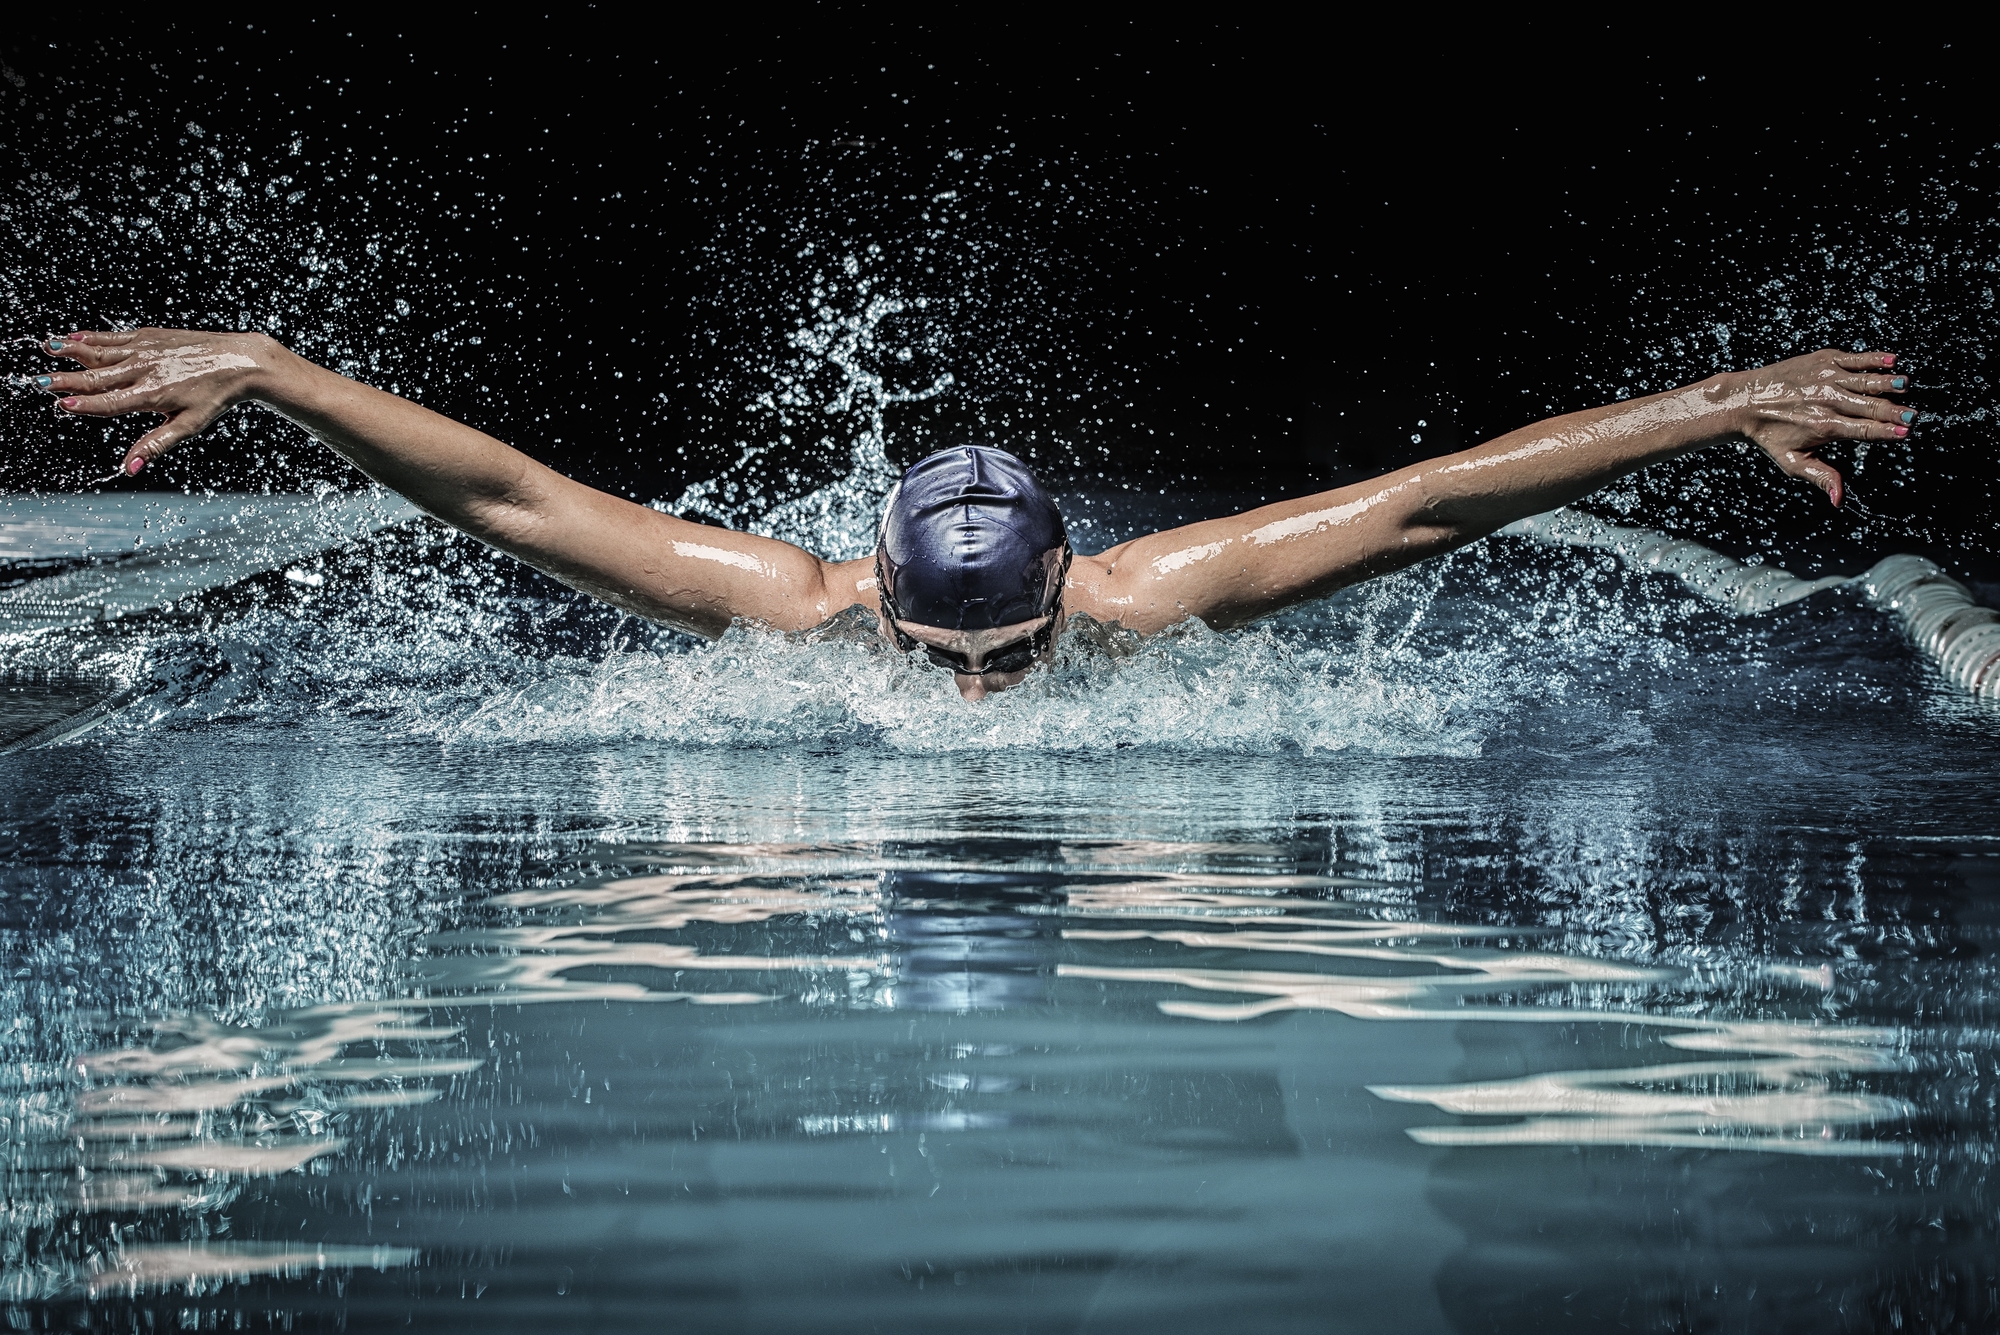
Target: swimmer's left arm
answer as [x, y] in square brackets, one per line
[1230, 571]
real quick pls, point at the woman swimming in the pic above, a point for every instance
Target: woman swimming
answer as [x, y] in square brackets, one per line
[972, 566]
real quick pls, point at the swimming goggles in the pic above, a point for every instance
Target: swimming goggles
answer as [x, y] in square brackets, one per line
[1016, 657]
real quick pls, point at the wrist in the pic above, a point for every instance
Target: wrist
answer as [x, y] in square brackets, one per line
[1728, 401]
[282, 379]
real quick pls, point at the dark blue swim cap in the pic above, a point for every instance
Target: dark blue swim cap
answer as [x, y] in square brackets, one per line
[970, 541]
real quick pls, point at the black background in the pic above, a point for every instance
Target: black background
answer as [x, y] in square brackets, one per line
[1251, 258]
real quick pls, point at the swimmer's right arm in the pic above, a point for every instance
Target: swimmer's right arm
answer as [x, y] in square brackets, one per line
[692, 576]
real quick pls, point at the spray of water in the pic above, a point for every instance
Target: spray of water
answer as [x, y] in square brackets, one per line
[879, 308]
[848, 341]
[843, 341]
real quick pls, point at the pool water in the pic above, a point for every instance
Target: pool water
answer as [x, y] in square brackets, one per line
[1515, 944]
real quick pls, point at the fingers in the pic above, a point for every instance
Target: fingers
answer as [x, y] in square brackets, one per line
[165, 436]
[93, 347]
[1872, 384]
[91, 382]
[1827, 425]
[1873, 372]
[1809, 428]
[114, 402]
[1816, 471]
[1858, 405]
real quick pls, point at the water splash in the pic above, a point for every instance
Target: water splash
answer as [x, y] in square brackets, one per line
[884, 306]
[428, 635]
[844, 342]
[192, 226]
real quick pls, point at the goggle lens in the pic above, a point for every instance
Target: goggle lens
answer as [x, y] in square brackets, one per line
[1016, 657]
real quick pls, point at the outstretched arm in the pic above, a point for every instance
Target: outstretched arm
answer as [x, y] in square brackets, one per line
[687, 575]
[1229, 571]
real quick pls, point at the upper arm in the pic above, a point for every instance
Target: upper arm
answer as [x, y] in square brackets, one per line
[694, 577]
[1232, 570]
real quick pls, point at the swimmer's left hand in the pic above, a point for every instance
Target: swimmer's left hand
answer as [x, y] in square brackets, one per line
[1795, 408]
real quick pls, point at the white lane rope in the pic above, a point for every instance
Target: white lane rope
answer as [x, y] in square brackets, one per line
[266, 533]
[1936, 612]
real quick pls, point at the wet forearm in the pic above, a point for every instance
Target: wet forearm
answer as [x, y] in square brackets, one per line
[458, 473]
[664, 568]
[1563, 459]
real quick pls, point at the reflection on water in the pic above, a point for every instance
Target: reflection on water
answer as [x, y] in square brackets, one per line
[194, 1266]
[177, 1118]
[580, 950]
[1784, 1100]
[1779, 1102]
[1130, 1073]
[185, 1109]
[1791, 1107]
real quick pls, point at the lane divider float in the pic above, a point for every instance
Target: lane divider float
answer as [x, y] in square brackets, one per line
[1938, 614]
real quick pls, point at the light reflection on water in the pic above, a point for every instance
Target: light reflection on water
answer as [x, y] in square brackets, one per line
[154, 1137]
[1784, 1101]
[322, 1022]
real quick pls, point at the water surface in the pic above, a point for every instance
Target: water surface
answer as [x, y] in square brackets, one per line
[1512, 945]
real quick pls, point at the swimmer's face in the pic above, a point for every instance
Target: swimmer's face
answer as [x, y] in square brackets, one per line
[975, 647]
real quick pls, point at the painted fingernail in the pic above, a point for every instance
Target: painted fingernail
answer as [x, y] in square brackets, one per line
[1902, 431]
[44, 381]
[55, 345]
[1909, 417]
[1899, 382]
[134, 464]
[1888, 359]
[70, 402]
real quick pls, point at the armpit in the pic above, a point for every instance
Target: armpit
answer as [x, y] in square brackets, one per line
[855, 624]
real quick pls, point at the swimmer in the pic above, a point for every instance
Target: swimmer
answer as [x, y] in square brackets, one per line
[972, 569]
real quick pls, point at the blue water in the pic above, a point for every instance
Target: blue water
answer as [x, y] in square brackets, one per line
[1515, 944]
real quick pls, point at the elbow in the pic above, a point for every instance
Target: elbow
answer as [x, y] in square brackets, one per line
[1424, 540]
[1433, 532]
[1441, 523]
[1444, 533]
[508, 514]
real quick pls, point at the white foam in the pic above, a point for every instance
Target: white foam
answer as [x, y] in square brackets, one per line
[1254, 691]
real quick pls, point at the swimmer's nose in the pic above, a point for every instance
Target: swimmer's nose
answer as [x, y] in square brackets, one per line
[974, 687]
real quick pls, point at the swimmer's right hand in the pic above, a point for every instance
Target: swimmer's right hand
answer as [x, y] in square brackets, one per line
[188, 377]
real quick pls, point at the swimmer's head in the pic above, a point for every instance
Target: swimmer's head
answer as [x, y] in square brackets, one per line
[970, 542]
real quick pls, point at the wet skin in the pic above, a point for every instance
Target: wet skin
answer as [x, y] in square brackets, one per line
[1225, 571]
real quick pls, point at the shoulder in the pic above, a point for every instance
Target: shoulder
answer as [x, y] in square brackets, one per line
[849, 583]
[1094, 589]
